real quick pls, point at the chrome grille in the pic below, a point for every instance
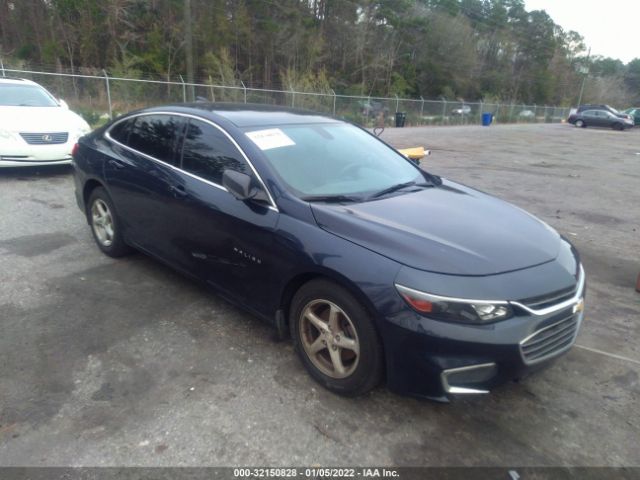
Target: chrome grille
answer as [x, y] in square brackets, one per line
[45, 138]
[550, 340]
[549, 299]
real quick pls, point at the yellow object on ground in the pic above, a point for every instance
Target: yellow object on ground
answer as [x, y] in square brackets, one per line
[414, 153]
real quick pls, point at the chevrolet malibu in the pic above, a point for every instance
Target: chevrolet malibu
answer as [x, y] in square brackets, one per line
[376, 268]
[35, 127]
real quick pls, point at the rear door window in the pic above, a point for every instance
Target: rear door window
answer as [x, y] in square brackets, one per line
[207, 152]
[157, 136]
[120, 131]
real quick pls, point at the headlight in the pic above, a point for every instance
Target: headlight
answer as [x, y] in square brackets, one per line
[455, 309]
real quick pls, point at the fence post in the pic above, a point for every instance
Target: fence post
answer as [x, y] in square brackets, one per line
[184, 90]
[2, 67]
[106, 79]
[397, 102]
[293, 96]
[421, 109]
[334, 101]
[213, 93]
[481, 111]
[444, 109]
[245, 91]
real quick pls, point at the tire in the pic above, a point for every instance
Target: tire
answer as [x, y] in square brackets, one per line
[580, 124]
[350, 338]
[618, 126]
[105, 225]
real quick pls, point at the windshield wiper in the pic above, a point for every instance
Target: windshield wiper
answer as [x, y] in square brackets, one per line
[399, 186]
[330, 198]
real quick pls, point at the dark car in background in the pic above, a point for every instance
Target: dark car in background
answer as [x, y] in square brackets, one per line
[376, 268]
[600, 118]
[585, 107]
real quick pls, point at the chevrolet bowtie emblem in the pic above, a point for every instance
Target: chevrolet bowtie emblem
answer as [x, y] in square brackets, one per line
[579, 307]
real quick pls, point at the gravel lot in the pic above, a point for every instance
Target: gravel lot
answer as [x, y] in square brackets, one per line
[124, 362]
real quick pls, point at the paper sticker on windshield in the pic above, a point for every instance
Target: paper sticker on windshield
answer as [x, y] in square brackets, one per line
[271, 138]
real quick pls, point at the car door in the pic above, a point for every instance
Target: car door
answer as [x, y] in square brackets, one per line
[604, 118]
[590, 118]
[226, 242]
[141, 177]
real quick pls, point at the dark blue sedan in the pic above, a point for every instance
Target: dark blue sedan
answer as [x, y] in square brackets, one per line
[378, 269]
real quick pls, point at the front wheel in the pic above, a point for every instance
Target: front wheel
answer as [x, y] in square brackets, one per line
[618, 126]
[580, 124]
[336, 339]
[105, 224]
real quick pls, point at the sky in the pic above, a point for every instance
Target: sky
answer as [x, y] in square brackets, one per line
[609, 27]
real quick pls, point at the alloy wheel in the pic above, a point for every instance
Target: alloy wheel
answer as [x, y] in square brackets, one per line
[329, 338]
[102, 222]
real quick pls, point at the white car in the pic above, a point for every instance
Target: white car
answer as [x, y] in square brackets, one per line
[35, 127]
[463, 110]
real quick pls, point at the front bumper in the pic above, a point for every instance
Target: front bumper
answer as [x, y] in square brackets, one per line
[26, 161]
[437, 360]
[18, 153]
[437, 365]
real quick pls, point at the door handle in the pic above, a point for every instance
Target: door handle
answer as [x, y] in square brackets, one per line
[178, 191]
[116, 164]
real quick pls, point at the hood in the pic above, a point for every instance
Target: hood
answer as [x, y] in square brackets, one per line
[448, 229]
[41, 119]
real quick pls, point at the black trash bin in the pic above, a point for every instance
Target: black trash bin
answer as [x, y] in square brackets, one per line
[401, 117]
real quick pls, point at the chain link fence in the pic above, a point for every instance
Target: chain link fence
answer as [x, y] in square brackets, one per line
[100, 97]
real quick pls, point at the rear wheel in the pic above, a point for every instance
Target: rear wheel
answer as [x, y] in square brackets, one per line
[580, 124]
[336, 339]
[105, 224]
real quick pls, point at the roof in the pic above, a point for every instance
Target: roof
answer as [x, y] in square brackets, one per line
[16, 81]
[254, 115]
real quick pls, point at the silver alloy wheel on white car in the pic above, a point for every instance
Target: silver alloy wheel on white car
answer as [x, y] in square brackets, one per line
[329, 338]
[102, 222]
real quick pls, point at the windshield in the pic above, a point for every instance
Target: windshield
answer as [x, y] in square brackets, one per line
[14, 95]
[332, 159]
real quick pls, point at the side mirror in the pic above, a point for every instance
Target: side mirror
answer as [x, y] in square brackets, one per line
[242, 186]
[63, 104]
[238, 184]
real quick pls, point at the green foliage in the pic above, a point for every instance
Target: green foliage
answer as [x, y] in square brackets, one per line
[456, 48]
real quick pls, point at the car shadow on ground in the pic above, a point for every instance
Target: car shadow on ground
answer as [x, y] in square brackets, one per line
[34, 172]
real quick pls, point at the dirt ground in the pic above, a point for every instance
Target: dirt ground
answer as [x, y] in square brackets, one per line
[124, 362]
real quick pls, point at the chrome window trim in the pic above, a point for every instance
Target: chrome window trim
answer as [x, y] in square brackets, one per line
[462, 390]
[272, 205]
[577, 297]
